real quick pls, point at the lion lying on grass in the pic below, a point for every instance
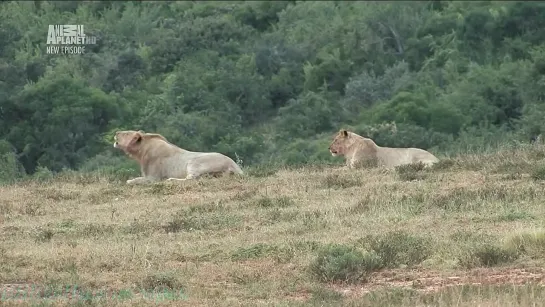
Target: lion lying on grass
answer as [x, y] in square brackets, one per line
[357, 150]
[159, 159]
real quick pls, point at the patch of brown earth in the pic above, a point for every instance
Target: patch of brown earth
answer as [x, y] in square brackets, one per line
[432, 281]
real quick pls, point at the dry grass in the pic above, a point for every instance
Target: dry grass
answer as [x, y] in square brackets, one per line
[467, 233]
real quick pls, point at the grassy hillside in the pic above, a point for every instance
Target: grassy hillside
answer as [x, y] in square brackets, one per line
[468, 232]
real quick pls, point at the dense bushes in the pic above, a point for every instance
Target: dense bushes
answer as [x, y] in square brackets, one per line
[269, 82]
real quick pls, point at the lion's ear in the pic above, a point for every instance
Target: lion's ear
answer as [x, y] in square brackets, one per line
[137, 137]
[344, 133]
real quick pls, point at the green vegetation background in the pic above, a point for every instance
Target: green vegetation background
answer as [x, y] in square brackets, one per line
[267, 83]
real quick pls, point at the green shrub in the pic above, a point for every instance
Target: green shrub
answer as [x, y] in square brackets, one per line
[277, 202]
[399, 248]
[410, 172]
[527, 243]
[337, 262]
[486, 255]
[538, 173]
[112, 166]
[10, 168]
[336, 181]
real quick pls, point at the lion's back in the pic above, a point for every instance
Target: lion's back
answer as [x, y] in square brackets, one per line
[420, 155]
[166, 159]
[400, 156]
[213, 162]
[423, 155]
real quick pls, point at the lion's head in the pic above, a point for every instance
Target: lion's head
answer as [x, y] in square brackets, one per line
[129, 141]
[340, 143]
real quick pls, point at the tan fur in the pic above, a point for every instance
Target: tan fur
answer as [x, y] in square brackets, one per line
[357, 150]
[159, 159]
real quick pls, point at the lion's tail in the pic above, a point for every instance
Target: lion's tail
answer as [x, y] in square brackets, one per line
[235, 168]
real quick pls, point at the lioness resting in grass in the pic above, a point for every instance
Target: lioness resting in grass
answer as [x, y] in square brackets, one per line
[159, 159]
[357, 150]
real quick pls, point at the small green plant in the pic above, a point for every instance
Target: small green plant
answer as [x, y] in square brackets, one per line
[527, 243]
[487, 255]
[184, 221]
[243, 278]
[362, 206]
[335, 181]
[163, 188]
[161, 282]
[255, 251]
[114, 167]
[323, 295]
[67, 224]
[410, 172]
[337, 262]
[59, 195]
[137, 227]
[538, 173]
[33, 209]
[239, 161]
[276, 202]
[443, 164]
[512, 176]
[176, 225]
[43, 174]
[11, 169]
[513, 215]
[276, 215]
[399, 248]
[536, 153]
[514, 167]
[96, 230]
[260, 171]
[207, 207]
[43, 235]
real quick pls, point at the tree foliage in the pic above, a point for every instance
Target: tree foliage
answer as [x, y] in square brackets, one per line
[267, 82]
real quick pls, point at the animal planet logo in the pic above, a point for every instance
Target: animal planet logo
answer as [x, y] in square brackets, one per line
[68, 39]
